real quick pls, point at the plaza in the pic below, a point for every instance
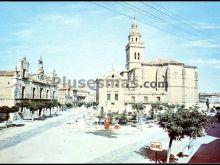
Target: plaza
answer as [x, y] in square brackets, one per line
[71, 137]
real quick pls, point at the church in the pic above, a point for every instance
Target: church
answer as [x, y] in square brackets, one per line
[161, 80]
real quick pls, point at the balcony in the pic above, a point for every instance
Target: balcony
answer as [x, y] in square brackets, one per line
[34, 99]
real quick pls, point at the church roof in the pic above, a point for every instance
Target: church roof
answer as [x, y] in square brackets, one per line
[163, 61]
[108, 74]
[167, 61]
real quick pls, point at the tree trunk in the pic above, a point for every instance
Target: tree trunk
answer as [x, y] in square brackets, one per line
[40, 110]
[6, 124]
[32, 115]
[55, 111]
[152, 114]
[50, 111]
[169, 150]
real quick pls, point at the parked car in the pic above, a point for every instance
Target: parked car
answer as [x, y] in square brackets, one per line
[211, 113]
[217, 109]
[218, 113]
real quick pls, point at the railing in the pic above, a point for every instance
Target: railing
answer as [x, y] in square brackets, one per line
[34, 99]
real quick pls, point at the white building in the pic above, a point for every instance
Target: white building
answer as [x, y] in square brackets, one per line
[19, 84]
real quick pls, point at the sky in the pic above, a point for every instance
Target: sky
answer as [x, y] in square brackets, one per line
[81, 40]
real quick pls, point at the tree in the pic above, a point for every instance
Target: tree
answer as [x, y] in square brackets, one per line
[155, 107]
[94, 103]
[89, 104]
[183, 122]
[22, 104]
[123, 119]
[51, 104]
[41, 105]
[60, 106]
[101, 115]
[5, 110]
[139, 107]
[69, 105]
[33, 106]
[79, 104]
[55, 104]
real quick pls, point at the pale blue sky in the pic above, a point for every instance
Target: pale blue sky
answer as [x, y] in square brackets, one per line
[82, 40]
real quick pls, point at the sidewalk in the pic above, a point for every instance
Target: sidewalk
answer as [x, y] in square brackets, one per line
[30, 125]
[209, 153]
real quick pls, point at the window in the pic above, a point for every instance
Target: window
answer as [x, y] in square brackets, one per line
[138, 56]
[47, 94]
[135, 55]
[22, 92]
[23, 73]
[145, 99]
[33, 94]
[196, 75]
[113, 76]
[116, 97]
[136, 38]
[108, 96]
[132, 99]
[158, 98]
[53, 94]
[41, 92]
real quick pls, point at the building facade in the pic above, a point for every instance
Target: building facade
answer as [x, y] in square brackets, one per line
[160, 80]
[19, 84]
[67, 94]
[208, 100]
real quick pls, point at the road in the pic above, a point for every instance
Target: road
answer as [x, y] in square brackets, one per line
[21, 137]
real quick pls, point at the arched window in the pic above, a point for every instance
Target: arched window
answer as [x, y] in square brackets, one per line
[135, 55]
[138, 56]
[136, 39]
[23, 92]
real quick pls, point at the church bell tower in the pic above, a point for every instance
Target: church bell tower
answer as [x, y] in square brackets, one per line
[134, 48]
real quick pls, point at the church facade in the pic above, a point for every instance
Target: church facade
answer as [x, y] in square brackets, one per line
[160, 80]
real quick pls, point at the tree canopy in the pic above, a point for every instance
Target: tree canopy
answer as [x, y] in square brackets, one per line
[180, 122]
[183, 122]
[138, 106]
